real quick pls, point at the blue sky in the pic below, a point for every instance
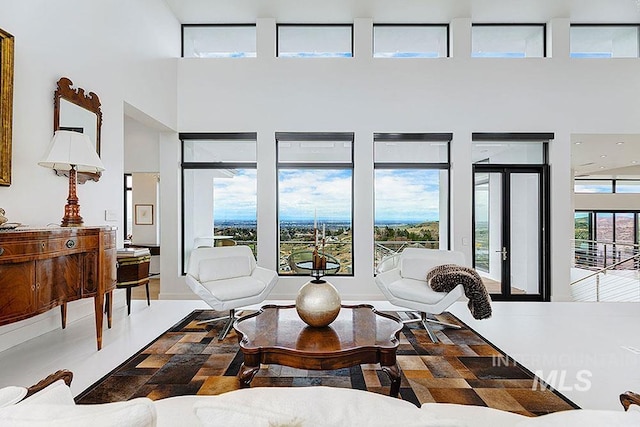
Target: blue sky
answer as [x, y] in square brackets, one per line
[409, 195]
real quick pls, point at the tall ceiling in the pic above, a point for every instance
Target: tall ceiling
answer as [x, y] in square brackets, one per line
[587, 157]
[606, 156]
[304, 11]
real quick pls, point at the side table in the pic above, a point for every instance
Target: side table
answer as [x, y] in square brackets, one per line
[133, 270]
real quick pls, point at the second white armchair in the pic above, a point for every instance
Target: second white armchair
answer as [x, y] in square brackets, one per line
[402, 278]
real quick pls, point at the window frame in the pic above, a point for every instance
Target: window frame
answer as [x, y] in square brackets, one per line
[600, 25]
[417, 137]
[350, 25]
[128, 189]
[219, 136]
[310, 137]
[613, 182]
[386, 24]
[183, 26]
[513, 24]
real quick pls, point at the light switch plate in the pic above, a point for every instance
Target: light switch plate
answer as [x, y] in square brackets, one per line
[110, 215]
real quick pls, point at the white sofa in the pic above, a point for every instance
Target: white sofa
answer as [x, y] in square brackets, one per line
[274, 406]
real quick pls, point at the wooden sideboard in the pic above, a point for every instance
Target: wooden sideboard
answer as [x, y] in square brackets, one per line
[47, 267]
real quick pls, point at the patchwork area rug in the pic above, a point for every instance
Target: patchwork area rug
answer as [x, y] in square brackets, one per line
[463, 368]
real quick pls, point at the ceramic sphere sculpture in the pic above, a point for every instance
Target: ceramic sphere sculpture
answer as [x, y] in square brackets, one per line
[318, 303]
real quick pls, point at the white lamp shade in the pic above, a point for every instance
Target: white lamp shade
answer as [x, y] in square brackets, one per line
[72, 148]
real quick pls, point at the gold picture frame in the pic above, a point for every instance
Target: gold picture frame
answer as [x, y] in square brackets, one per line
[6, 105]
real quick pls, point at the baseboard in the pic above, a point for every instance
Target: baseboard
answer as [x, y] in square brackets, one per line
[24, 330]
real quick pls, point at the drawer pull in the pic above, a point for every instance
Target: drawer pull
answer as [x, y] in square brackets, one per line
[70, 244]
[1, 251]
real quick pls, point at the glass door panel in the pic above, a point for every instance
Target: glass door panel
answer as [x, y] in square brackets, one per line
[524, 254]
[488, 229]
[508, 230]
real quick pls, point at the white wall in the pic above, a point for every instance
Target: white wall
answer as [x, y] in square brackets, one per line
[122, 50]
[141, 147]
[125, 52]
[459, 94]
[145, 193]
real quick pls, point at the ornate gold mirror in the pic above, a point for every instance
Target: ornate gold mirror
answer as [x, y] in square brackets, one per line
[6, 105]
[76, 111]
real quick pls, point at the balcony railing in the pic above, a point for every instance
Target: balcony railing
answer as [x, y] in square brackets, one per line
[294, 254]
[605, 271]
[594, 255]
[384, 248]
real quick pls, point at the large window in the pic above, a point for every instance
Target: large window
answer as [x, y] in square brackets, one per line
[606, 185]
[218, 41]
[219, 190]
[604, 41]
[508, 41]
[411, 192]
[410, 41]
[315, 201]
[603, 238]
[315, 40]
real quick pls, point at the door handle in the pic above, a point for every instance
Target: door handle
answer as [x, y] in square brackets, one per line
[504, 253]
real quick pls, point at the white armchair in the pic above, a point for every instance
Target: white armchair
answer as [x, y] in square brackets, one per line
[402, 279]
[227, 278]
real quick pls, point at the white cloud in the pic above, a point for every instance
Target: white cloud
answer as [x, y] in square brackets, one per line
[305, 192]
[407, 195]
[235, 198]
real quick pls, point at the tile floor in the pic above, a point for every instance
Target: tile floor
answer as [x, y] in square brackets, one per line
[588, 351]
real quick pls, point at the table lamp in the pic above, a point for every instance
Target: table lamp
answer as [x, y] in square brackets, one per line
[73, 152]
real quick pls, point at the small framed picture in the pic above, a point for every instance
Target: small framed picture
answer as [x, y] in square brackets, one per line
[144, 215]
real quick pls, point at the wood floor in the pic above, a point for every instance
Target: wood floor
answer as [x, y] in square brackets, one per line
[154, 290]
[495, 287]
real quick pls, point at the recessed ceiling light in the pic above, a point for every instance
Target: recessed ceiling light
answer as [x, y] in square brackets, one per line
[601, 167]
[603, 156]
[578, 143]
[619, 142]
[633, 162]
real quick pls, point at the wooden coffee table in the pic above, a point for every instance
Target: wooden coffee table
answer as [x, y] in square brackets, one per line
[359, 335]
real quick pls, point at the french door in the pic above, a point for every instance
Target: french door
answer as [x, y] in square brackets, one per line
[510, 230]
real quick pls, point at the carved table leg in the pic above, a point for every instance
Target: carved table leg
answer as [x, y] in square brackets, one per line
[246, 374]
[63, 314]
[394, 375]
[98, 300]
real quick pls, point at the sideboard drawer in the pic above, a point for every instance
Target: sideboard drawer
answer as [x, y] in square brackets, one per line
[14, 249]
[72, 244]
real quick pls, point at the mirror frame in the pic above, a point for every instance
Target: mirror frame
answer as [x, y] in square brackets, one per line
[6, 105]
[89, 102]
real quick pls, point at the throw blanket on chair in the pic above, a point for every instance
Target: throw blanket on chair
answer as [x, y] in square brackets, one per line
[443, 278]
